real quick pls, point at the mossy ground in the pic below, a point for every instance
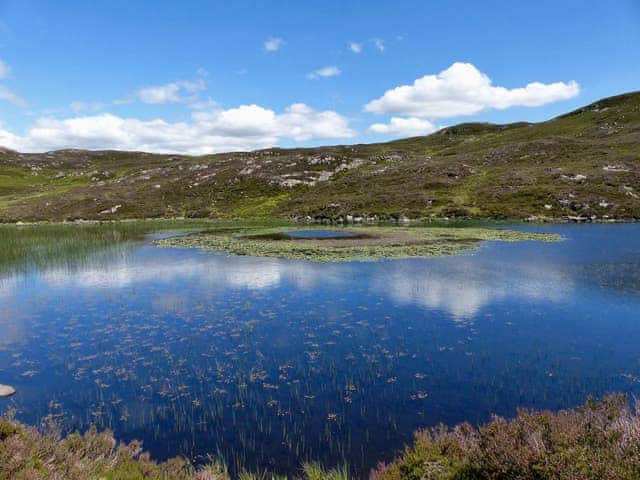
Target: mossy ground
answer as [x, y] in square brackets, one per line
[371, 242]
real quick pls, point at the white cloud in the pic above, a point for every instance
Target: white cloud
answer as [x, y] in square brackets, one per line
[324, 72]
[175, 92]
[379, 44]
[404, 127]
[355, 47]
[462, 89]
[5, 70]
[79, 106]
[301, 123]
[247, 127]
[273, 44]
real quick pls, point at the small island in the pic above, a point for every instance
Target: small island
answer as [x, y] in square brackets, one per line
[322, 244]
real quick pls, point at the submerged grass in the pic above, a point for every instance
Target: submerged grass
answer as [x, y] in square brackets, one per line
[47, 244]
[370, 243]
[29, 454]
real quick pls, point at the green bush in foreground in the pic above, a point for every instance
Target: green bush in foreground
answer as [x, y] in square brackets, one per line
[599, 441]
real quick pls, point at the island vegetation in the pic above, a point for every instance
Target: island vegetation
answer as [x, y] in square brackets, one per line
[363, 243]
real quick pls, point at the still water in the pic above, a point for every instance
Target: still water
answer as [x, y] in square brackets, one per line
[269, 362]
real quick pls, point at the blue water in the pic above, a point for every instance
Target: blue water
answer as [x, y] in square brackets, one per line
[271, 362]
[319, 234]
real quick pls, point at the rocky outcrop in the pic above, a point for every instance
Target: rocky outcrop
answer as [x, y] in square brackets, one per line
[6, 391]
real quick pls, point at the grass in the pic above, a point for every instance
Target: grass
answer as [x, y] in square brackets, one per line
[372, 242]
[19, 184]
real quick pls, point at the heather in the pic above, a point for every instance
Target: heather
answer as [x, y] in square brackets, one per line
[599, 441]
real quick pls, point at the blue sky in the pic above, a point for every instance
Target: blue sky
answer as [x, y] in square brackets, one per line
[203, 76]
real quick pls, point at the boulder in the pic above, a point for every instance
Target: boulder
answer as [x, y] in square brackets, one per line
[6, 391]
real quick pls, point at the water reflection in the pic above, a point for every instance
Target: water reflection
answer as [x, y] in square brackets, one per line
[461, 286]
[270, 362]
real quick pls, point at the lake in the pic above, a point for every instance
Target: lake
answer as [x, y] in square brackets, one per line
[268, 362]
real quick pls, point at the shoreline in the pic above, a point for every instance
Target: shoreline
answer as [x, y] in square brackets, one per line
[381, 222]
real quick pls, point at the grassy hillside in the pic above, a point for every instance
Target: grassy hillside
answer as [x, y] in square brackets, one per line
[585, 164]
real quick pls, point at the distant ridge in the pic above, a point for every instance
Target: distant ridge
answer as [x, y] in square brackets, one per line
[581, 166]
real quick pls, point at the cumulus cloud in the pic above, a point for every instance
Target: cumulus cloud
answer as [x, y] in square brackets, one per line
[246, 127]
[273, 44]
[324, 72]
[379, 44]
[404, 127]
[355, 47]
[462, 89]
[302, 123]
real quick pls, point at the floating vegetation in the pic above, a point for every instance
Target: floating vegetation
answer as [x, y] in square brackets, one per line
[357, 243]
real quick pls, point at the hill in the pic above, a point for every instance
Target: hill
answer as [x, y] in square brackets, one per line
[579, 166]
